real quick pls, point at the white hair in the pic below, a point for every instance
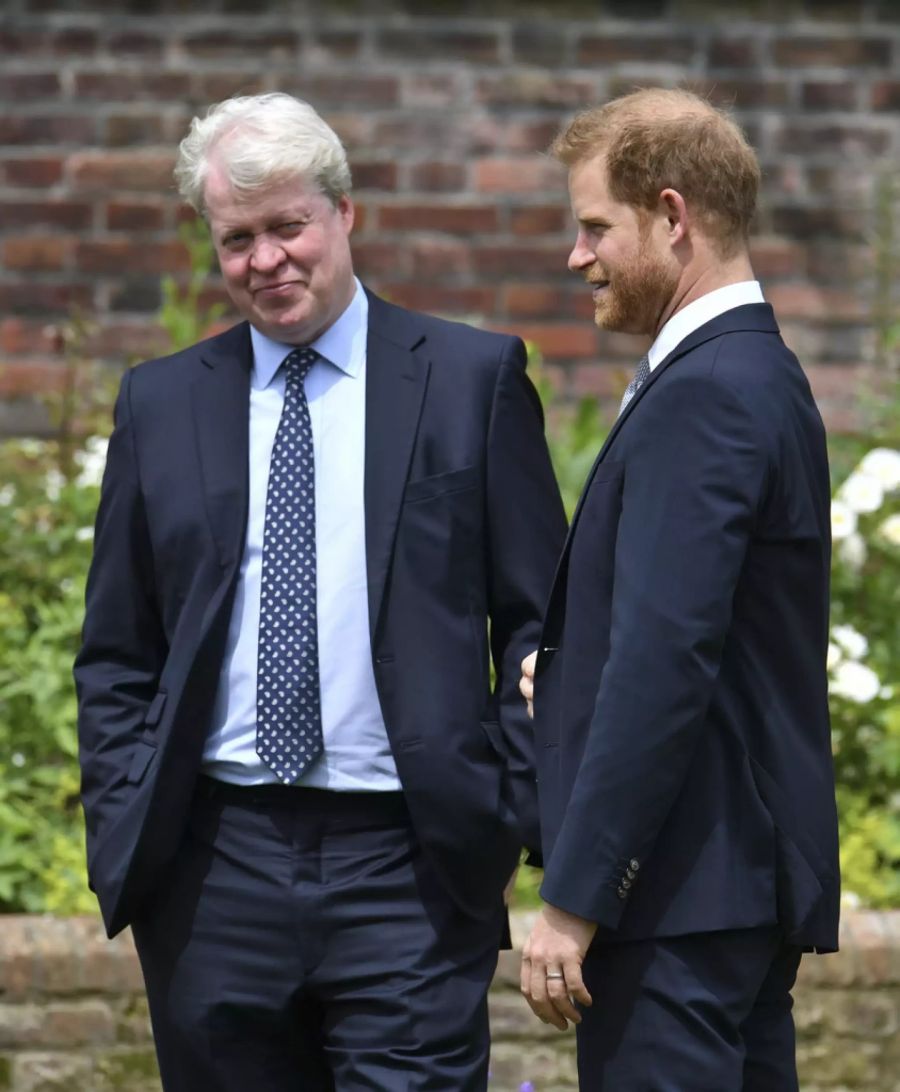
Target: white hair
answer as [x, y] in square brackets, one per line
[260, 140]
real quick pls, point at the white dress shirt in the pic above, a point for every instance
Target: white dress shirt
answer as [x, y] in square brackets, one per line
[357, 753]
[700, 312]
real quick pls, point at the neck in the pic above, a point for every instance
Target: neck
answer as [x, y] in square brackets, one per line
[700, 279]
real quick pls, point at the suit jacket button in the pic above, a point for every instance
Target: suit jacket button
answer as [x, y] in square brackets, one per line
[634, 864]
[622, 893]
[629, 873]
[626, 884]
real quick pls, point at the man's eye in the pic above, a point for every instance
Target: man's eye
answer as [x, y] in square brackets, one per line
[291, 227]
[235, 241]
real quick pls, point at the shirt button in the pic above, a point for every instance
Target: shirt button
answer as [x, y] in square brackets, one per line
[622, 893]
[634, 864]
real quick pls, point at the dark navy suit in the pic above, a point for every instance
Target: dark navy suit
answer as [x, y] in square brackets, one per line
[683, 745]
[463, 529]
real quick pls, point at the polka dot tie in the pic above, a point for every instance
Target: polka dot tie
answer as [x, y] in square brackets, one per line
[639, 378]
[288, 710]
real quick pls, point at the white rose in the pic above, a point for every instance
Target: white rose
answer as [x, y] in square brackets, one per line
[852, 551]
[834, 656]
[53, 483]
[883, 463]
[92, 460]
[84, 534]
[855, 682]
[862, 492]
[843, 520]
[7, 495]
[851, 641]
[890, 529]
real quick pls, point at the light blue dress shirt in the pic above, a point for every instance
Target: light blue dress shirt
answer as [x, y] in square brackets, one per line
[357, 753]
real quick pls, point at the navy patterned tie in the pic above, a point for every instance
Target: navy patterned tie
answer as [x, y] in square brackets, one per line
[639, 378]
[288, 710]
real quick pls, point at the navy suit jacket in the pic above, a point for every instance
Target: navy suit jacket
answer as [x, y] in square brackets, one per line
[683, 744]
[464, 526]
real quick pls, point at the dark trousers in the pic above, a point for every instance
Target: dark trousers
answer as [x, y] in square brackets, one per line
[303, 943]
[703, 1013]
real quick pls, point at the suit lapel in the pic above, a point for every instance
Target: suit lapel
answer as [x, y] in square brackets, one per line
[397, 370]
[752, 316]
[220, 395]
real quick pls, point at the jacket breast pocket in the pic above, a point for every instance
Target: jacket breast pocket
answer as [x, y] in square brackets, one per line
[439, 485]
[141, 758]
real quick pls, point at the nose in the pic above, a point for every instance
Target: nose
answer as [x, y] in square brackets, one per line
[581, 256]
[267, 254]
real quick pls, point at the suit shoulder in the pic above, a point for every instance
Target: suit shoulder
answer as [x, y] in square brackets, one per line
[467, 345]
[174, 367]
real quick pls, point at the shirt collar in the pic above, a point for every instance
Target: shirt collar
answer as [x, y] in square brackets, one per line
[343, 344]
[700, 312]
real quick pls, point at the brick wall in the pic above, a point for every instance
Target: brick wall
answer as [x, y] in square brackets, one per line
[73, 1016]
[445, 108]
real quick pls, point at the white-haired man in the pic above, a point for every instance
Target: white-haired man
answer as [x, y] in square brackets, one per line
[316, 528]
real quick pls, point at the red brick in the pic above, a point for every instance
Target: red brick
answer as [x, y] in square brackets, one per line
[372, 257]
[448, 45]
[414, 131]
[56, 129]
[523, 261]
[457, 219]
[608, 48]
[129, 129]
[837, 262]
[344, 44]
[796, 51]
[442, 299]
[518, 175]
[273, 45]
[88, 1023]
[561, 340]
[134, 216]
[540, 220]
[70, 40]
[209, 87]
[806, 223]
[541, 43]
[133, 170]
[37, 298]
[830, 95]
[374, 175]
[886, 95]
[105, 256]
[530, 136]
[48, 253]
[127, 293]
[435, 259]
[17, 381]
[607, 381]
[529, 87]
[28, 86]
[827, 305]
[114, 86]
[774, 257]
[540, 301]
[19, 337]
[350, 88]
[138, 42]
[49, 213]
[740, 94]
[427, 90]
[728, 52]
[845, 139]
[32, 171]
[436, 177]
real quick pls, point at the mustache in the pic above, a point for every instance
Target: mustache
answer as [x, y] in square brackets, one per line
[596, 275]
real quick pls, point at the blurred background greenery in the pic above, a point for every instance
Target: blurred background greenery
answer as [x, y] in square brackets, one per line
[49, 491]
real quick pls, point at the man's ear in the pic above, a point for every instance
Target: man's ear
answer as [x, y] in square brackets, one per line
[674, 210]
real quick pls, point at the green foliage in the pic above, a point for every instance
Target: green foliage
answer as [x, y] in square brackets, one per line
[181, 315]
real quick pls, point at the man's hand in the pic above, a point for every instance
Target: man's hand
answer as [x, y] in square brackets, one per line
[526, 683]
[551, 966]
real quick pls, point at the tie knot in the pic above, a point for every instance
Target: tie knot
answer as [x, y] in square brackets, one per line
[298, 363]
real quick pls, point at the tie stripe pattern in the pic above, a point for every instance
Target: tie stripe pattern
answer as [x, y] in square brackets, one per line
[288, 707]
[639, 378]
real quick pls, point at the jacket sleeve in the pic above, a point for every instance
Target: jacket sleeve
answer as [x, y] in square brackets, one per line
[695, 477]
[123, 646]
[526, 529]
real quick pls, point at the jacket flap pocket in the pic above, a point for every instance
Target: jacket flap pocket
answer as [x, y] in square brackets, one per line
[437, 485]
[140, 760]
[494, 735]
[156, 709]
